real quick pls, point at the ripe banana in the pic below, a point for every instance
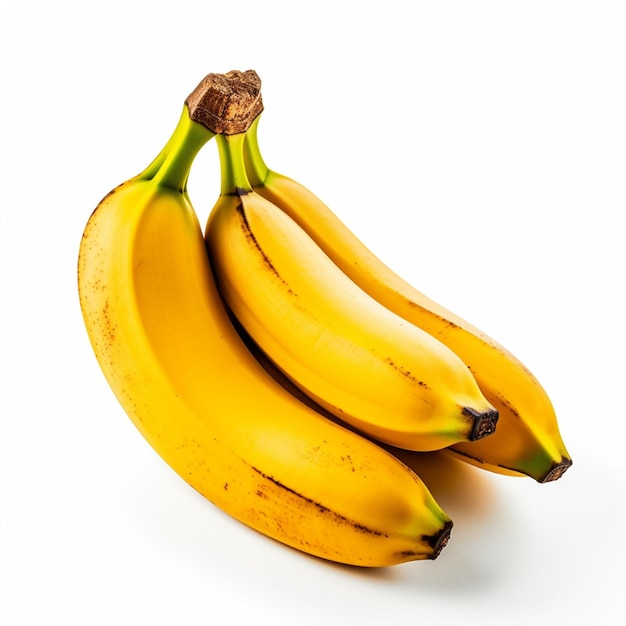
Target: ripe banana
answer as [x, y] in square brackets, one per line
[363, 363]
[527, 440]
[179, 369]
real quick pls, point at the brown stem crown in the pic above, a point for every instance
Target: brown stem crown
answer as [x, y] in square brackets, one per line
[226, 103]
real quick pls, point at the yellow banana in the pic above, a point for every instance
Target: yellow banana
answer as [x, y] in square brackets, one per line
[527, 440]
[179, 369]
[363, 363]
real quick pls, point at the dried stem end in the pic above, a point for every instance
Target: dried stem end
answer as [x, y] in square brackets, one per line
[440, 540]
[226, 103]
[556, 471]
[484, 424]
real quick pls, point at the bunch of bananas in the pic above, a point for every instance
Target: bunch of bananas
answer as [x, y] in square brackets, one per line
[275, 363]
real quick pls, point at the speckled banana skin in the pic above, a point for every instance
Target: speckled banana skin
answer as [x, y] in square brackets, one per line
[527, 440]
[361, 362]
[183, 375]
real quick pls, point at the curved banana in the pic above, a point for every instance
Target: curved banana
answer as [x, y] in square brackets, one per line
[527, 440]
[189, 384]
[355, 358]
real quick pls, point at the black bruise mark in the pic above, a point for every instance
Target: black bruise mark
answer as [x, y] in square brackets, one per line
[320, 507]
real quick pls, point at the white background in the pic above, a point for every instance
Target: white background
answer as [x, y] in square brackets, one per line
[478, 147]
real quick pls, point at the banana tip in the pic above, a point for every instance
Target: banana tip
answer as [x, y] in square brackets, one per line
[557, 470]
[484, 423]
[440, 540]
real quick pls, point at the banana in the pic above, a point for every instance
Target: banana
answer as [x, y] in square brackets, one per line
[187, 381]
[361, 362]
[527, 441]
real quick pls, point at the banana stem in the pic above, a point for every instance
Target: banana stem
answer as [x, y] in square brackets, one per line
[221, 103]
[171, 168]
[234, 177]
[255, 165]
[155, 166]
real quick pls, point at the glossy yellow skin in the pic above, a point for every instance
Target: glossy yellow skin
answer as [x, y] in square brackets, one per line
[527, 440]
[363, 363]
[187, 381]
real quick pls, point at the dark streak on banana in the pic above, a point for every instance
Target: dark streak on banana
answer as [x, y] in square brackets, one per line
[407, 374]
[321, 507]
[250, 235]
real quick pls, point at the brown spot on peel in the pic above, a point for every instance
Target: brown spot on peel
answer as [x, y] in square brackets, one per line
[406, 373]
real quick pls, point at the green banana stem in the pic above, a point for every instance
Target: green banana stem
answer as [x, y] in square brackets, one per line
[255, 165]
[155, 166]
[234, 179]
[172, 166]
